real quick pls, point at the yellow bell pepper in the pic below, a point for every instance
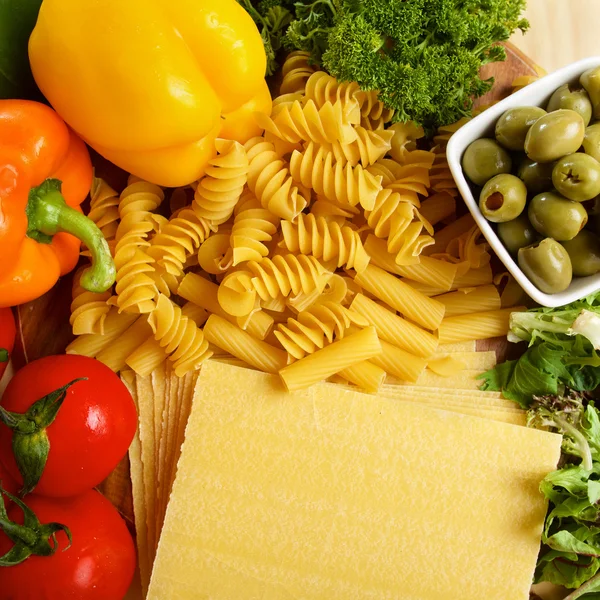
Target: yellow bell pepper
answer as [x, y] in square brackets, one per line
[150, 84]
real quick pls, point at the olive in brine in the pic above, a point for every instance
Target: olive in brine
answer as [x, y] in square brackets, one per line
[577, 177]
[591, 141]
[590, 80]
[513, 125]
[547, 265]
[554, 216]
[502, 198]
[516, 234]
[555, 135]
[573, 98]
[484, 159]
[536, 176]
[584, 252]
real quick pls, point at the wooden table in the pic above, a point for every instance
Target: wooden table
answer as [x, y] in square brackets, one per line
[562, 31]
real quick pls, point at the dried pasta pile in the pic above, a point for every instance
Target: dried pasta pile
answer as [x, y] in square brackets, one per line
[326, 248]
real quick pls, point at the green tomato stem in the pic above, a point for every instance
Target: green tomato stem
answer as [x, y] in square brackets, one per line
[49, 214]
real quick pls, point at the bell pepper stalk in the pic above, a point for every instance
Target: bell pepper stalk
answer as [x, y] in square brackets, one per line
[30, 441]
[45, 174]
[31, 538]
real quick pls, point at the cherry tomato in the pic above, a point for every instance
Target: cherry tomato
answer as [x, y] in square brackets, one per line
[99, 565]
[7, 337]
[8, 483]
[91, 432]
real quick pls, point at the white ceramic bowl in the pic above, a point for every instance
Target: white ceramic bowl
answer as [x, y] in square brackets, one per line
[535, 94]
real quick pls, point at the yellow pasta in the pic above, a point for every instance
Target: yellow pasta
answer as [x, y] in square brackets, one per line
[315, 327]
[374, 114]
[444, 236]
[88, 310]
[474, 277]
[365, 375]
[445, 366]
[104, 211]
[404, 140]
[219, 190]
[136, 282]
[479, 299]
[91, 344]
[270, 279]
[295, 71]
[322, 88]
[182, 340]
[195, 313]
[332, 359]
[395, 329]
[315, 168]
[428, 271]
[326, 240]
[367, 147]
[476, 326]
[147, 357]
[424, 311]
[438, 207]
[269, 179]
[243, 346]
[399, 363]
[115, 355]
[297, 122]
[204, 293]
[214, 255]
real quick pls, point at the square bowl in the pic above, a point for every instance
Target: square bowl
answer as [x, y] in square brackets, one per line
[535, 94]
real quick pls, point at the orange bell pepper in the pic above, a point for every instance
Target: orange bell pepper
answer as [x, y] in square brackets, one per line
[45, 174]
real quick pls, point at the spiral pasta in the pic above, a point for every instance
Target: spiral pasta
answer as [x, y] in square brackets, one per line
[326, 240]
[322, 88]
[136, 282]
[240, 292]
[315, 327]
[298, 122]
[88, 310]
[219, 190]
[180, 337]
[296, 70]
[317, 169]
[374, 114]
[368, 147]
[269, 179]
[104, 211]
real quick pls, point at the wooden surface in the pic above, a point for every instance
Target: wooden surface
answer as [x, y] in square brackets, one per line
[562, 31]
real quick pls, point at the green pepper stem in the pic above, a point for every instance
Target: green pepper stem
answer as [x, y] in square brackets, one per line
[49, 214]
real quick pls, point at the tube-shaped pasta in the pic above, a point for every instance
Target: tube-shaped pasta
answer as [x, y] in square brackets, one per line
[395, 329]
[399, 363]
[415, 306]
[204, 293]
[115, 355]
[366, 375]
[332, 359]
[326, 240]
[242, 345]
[438, 207]
[450, 232]
[479, 299]
[476, 326]
[147, 357]
[428, 271]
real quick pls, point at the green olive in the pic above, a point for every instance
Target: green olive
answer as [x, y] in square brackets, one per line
[573, 98]
[555, 135]
[513, 125]
[577, 177]
[591, 141]
[590, 80]
[503, 198]
[584, 252]
[484, 159]
[554, 216]
[547, 265]
[516, 234]
[536, 176]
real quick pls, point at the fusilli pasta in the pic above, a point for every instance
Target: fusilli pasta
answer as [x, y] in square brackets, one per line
[88, 310]
[104, 211]
[296, 70]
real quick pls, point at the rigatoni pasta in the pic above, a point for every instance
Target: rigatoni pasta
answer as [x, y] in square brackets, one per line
[478, 299]
[477, 326]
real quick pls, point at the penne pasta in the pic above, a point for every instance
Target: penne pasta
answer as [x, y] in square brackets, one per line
[417, 307]
[476, 326]
[399, 363]
[438, 207]
[395, 329]
[443, 237]
[479, 299]
[332, 359]
[366, 375]
[242, 345]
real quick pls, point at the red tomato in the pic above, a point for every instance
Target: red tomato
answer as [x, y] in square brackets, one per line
[8, 483]
[92, 431]
[7, 337]
[98, 566]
